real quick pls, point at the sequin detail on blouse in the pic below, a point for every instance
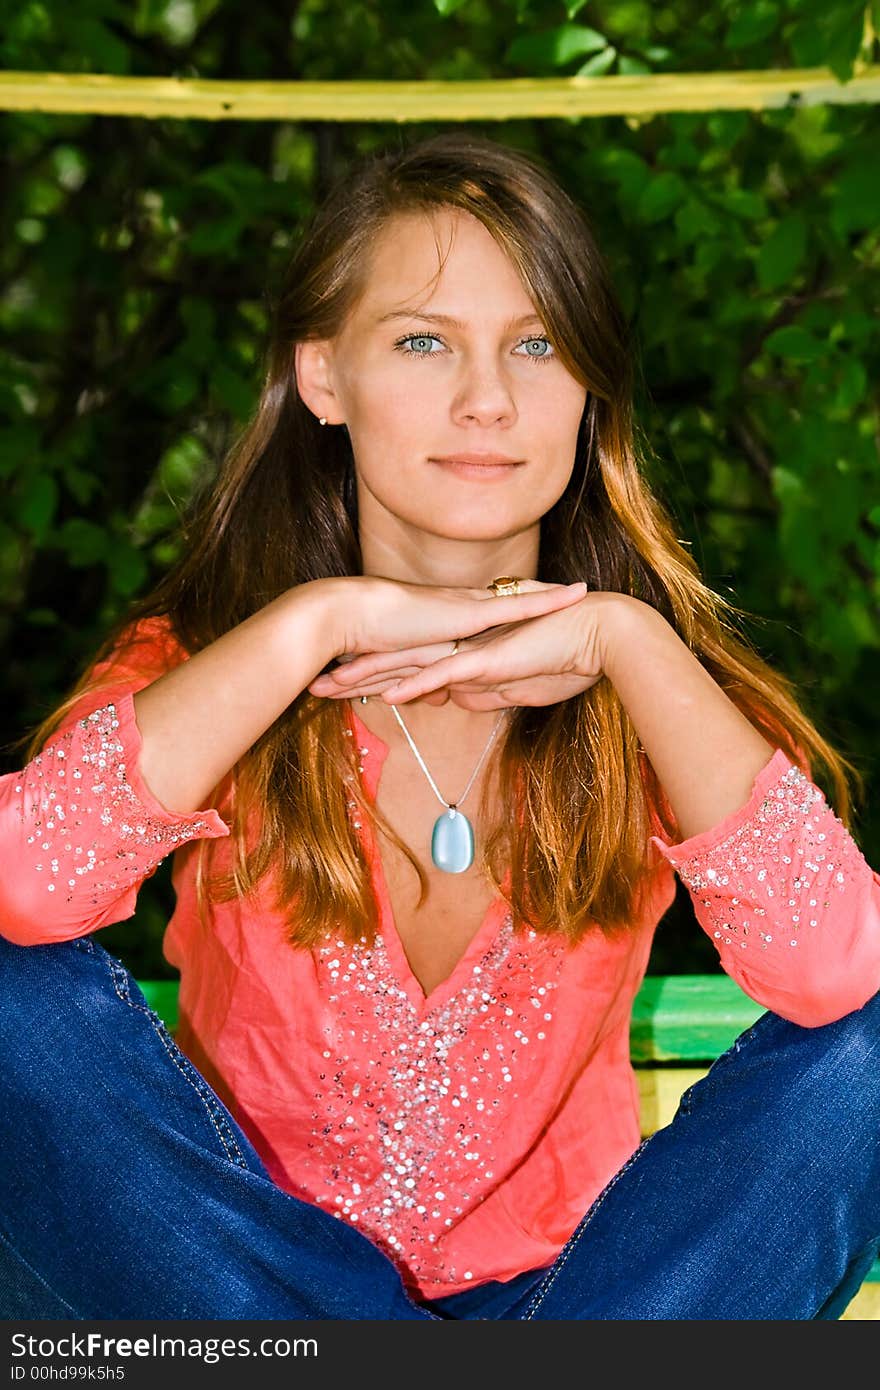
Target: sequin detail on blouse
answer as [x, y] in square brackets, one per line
[771, 879]
[86, 801]
[409, 1107]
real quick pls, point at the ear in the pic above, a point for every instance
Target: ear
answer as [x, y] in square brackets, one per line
[312, 362]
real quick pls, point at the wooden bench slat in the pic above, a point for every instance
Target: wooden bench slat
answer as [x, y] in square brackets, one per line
[660, 1090]
[688, 1018]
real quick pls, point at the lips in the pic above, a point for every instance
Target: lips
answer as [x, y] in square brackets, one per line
[478, 460]
[479, 468]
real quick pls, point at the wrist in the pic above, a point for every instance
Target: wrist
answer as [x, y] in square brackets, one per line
[318, 601]
[623, 617]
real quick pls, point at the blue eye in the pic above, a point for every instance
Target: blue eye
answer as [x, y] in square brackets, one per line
[404, 345]
[542, 357]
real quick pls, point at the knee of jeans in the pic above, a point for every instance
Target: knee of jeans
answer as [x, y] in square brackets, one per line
[857, 1035]
[843, 1077]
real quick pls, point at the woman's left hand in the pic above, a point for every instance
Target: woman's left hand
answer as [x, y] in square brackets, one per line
[539, 661]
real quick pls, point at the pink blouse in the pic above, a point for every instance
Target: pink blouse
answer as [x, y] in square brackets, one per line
[465, 1133]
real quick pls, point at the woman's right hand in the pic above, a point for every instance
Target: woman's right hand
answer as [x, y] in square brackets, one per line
[367, 613]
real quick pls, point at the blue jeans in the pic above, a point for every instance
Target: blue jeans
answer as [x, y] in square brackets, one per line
[127, 1190]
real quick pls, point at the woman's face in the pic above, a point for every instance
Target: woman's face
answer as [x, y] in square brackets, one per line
[413, 387]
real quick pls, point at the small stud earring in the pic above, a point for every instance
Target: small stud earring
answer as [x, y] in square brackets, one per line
[323, 420]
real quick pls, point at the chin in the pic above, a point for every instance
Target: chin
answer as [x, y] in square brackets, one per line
[489, 525]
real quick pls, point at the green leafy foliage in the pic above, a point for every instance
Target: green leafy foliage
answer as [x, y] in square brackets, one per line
[137, 255]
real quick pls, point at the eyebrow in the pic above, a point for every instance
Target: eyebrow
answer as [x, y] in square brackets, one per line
[449, 320]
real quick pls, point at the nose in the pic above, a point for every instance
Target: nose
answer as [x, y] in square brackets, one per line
[484, 395]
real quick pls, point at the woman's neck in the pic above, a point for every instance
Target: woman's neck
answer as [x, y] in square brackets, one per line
[442, 562]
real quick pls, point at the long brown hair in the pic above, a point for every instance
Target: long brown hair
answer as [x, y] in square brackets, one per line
[587, 795]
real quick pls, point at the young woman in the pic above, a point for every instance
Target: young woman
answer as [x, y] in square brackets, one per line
[431, 711]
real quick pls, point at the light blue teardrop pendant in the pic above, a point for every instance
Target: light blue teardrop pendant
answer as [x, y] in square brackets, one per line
[452, 843]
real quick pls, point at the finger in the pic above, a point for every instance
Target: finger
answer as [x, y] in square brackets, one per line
[451, 671]
[511, 608]
[526, 586]
[368, 684]
[515, 609]
[373, 663]
[367, 688]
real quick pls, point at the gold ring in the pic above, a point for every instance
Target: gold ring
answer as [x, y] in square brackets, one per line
[504, 584]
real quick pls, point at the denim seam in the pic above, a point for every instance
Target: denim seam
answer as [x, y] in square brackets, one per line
[556, 1268]
[218, 1120]
[39, 1278]
[425, 1312]
[735, 1047]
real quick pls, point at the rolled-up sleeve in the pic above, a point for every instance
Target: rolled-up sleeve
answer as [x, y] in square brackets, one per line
[787, 897]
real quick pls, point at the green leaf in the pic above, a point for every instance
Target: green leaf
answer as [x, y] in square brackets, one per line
[694, 220]
[555, 47]
[656, 53]
[795, 343]
[180, 466]
[598, 64]
[165, 552]
[235, 392]
[19, 446]
[37, 502]
[856, 202]
[199, 316]
[83, 542]
[102, 50]
[829, 37]
[42, 617]
[79, 483]
[625, 168]
[859, 328]
[787, 486]
[728, 127]
[171, 384]
[709, 254]
[662, 195]
[448, 7]
[853, 385]
[783, 252]
[42, 196]
[217, 236]
[752, 24]
[126, 566]
[231, 181]
[743, 202]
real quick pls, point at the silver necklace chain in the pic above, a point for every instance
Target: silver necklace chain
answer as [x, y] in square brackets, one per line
[450, 805]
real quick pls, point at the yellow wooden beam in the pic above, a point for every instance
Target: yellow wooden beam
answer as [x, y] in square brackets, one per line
[660, 1090]
[865, 1307]
[499, 99]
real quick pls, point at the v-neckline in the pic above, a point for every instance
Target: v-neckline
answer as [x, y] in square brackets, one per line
[376, 750]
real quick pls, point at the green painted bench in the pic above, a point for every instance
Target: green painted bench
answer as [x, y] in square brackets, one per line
[680, 1024]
